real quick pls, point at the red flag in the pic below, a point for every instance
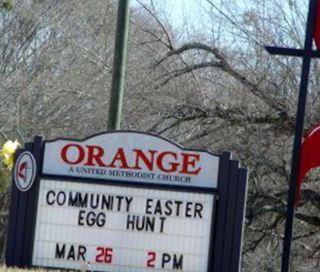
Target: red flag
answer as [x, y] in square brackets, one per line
[316, 34]
[309, 155]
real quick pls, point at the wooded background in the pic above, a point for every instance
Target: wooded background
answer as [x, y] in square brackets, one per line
[207, 84]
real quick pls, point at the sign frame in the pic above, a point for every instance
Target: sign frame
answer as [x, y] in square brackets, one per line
[227, 215]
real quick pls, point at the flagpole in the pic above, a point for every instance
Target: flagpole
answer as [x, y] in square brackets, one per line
[119, 65]
[307, 55]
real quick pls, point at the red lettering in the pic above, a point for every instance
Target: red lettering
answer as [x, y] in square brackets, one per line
[78, 158]
[151, 262]
[140, 155]
[94, 156]
[104, 255]
[189, 160]
[166, 161]
[121, 157]
[173, 165]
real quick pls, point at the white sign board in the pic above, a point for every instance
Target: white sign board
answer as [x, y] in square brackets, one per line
[131, 156]
[116, 228]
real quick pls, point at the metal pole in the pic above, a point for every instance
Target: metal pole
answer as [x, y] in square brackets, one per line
[298, 136]
[119, 66]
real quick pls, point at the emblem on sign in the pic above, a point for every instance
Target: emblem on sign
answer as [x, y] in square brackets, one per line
[25, 171]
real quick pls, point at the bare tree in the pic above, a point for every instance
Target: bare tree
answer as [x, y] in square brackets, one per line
[210, 85]
[249, 108]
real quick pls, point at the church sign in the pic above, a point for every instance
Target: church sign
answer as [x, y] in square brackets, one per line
[125, 201]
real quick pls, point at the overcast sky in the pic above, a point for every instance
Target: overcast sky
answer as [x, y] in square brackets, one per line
[178, 10]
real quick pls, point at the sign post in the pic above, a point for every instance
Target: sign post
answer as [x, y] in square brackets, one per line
[119, 66]
[126, 201]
